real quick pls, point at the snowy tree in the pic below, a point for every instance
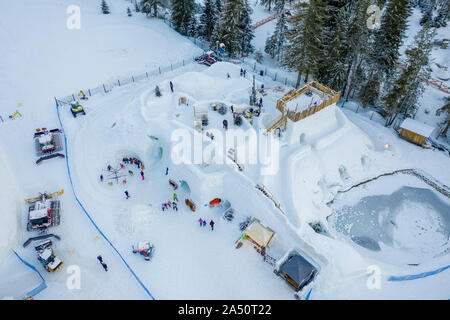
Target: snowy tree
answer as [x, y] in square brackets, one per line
[304, 39]
[333, 66]
[183, 15]
[384, 49]
[446, 123]
[389, 38]
[247, 33]
[267, 3]
[233, 28]
[357, 41]
[275, 43]
[408, 84]
[443, 14]
[150, 7]
[208, 20]
[105, 8]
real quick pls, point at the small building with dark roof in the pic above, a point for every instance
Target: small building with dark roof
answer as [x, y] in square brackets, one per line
[297, 271]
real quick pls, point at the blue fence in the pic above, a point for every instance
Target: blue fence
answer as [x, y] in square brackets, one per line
[418, 276]
[88, 215]
[41, 286]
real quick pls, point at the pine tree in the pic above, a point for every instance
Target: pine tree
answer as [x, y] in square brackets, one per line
[408, 84]
[333, 66]
[104, 7]
[389, 37]
[233, 28]
[208, 20]
[149, 6]
[305, 37]
[384, 49]
[275, 44]
[247, 34]
[183, 15]
[443, 14]
[357, 42]
[445, 125]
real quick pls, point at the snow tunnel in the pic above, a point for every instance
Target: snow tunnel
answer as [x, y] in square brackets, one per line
[154, 151]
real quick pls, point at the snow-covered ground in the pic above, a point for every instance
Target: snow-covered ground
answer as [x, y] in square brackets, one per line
[319, 156]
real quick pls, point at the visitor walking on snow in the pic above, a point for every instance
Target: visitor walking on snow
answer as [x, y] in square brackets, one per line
[241, 72]
[167, 171]
[212, 225]
[245, 72]
[174, 206]
[171, 86]
[175, 198]
[142, 174]
[109, 167]
[126, 194]
[225, 124]
[200, 221]
[102, 263]
[204, 223]
[232, 109]
[101, 178]
[130, 172]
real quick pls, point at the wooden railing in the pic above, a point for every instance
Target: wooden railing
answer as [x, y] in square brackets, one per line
[333, 97]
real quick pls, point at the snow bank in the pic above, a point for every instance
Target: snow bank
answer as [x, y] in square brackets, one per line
[10, 214]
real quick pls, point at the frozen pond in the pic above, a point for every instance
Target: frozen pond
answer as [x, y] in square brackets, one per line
[408, 226]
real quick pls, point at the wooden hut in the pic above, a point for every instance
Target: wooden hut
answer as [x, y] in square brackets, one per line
[258, 234]
[415, 131]
[297, 271]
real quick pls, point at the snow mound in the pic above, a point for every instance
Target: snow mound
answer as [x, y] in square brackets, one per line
[11, 209]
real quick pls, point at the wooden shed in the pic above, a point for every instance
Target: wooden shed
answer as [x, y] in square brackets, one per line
[297, 271]
[415, 131]
[258, 234]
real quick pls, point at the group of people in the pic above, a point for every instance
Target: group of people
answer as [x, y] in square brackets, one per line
[133, 160]
[171, 204]
[243, 72]
[203, 223]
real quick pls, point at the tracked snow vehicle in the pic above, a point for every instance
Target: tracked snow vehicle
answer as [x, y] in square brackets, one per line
[76, 108]
[48, 143]
[47, 257]
[43, 211]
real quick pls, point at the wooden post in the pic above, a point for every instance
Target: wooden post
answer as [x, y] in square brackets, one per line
[159, 70]
[171, 69]
[89, 91]
[132, 78]
[146, 74]
[104, 88]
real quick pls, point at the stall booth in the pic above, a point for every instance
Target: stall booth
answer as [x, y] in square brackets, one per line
[259, 235]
